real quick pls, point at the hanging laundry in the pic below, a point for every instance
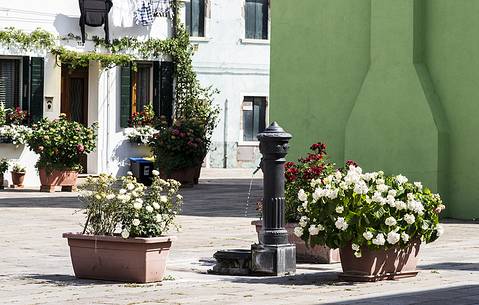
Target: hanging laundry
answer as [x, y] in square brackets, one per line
[123, 13]
[163, 8]
[94, 13]
[144, 13]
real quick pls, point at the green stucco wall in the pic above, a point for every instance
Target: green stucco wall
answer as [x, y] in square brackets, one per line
[391, 84]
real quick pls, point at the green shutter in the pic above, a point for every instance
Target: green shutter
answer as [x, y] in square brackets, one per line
[166, 90]
[125, 95]
[156, 87]
[25, 83]
[36, 88]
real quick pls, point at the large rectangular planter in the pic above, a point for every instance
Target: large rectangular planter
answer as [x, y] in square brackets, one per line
[137, 260]
[376, 265]
[66, 179]
[305, 254]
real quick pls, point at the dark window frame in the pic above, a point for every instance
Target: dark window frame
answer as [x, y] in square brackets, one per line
[254, 119]
[195, 16]
[18, 99]
[256, 27]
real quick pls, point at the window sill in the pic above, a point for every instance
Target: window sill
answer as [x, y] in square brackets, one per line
[249, 143]
[255, 41]
[199, 39]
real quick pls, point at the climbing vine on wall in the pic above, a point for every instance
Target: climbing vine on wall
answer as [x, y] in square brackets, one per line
[37, 40]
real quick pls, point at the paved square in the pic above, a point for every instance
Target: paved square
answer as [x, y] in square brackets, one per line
[35, 265]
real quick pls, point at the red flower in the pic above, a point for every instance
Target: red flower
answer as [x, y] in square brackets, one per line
[319, 147]
[80, 148]
[351, 162]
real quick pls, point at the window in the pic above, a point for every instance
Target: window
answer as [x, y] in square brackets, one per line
[10, 82]
[141, 87]
[256, 19]
[254, 117]
[195, 17]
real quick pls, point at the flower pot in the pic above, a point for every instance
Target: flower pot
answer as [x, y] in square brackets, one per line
[186, 176]
[197, 174]
[17, 179]
[305, 254]
[138, 260]
[381, 264]
[66, 179]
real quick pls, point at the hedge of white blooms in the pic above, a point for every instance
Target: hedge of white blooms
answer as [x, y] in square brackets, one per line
[141, 135]
[16, 134]
[356, 209]
[129, 208]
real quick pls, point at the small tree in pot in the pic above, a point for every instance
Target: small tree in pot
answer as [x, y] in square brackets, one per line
[125, 220]
[3, 168]
[18, 175]
[61, 145]
[378, 222]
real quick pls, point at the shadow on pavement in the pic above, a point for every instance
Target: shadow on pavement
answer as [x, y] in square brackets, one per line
[318, 279]
[64, 280]
[459, 295]
[41, 202]
[451, 266]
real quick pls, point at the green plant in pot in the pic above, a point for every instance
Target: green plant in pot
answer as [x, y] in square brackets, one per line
[61, 144]
[127, 220]
[3, 168]
[377, 221]
[18, 175]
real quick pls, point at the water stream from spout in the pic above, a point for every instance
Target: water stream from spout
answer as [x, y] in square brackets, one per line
[249, 191]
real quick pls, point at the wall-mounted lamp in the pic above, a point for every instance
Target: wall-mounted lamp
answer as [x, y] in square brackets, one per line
[49, 103]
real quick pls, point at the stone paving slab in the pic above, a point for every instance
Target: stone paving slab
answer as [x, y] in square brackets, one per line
[35, 265]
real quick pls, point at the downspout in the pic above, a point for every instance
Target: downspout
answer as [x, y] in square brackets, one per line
[225, 136]
[107, 142]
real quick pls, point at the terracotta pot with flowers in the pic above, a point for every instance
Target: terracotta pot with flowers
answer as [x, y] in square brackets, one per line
[61, 144]
[123, 237]
[315, 165]
[377, 221]
[141, 123]
[3, 168]
[18, 175]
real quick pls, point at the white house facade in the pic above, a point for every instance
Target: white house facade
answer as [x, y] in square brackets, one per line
[232, 56]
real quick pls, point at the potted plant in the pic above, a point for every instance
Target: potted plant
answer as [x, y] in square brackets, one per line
[123, 237]
[179, 149]
[61, 144]
[378, 222]
[18, 175]
[298, 175]
[3, 169]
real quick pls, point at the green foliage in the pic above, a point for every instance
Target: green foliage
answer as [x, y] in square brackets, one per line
[3, 165]
[18, 168]
[61, 143]
[143, 118]
[182, 145]
[74, 60]
[37, 40]
[140, 211]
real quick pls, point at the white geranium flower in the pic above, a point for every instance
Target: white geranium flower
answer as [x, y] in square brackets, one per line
[338, 175]
[339, 209]
[313, 230]
[138, 204]
[425, 226]
[122, 191]
[368, 235]
[390, 221]
[125, 234]
[179, 197]
[328, 179]
[358, 254]
[163, 199]
[368, 199]
[97, 196]
[149, 208]
[377, 197]
[129, 173]
[303, 221]
[418, 185]
[317, 194]
[361, 188]
[380, 181]
[393, 238]
[439, 230]
[155, 205]
[302, 195]
[159, 218]
[343, 185]
[305, 205]
[155, 172]
[416, 206]
[136, 222]
[130, 186]
[341, 224]
[355, 247]
[400, 179]
[110, 196]
[392, 193]
[400, 205]
[391, 201]
[405, 237]
[379, 240]
[409, 219]
[382, 188]
[333, 194]
[298, 231]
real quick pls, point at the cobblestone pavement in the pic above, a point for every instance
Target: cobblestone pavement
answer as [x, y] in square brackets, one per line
[35, 264]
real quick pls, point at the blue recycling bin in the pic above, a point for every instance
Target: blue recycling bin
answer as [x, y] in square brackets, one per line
[141, 169]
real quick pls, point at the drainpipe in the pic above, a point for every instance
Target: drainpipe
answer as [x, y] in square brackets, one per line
[225, 136]
[107, 142]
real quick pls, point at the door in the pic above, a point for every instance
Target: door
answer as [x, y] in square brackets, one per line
[74, 98]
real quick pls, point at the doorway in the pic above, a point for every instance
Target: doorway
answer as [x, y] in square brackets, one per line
[74, 99]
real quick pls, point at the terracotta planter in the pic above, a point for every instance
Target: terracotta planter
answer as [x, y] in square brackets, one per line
[2, 179]
[17, 179]
[305, 254]
[197, 174]
[66, 179]
[375, 265]
[186, 176]
[138, 260]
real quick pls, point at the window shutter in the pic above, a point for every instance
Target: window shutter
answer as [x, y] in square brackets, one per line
[156, 87]
[36, 88]
[26, 83]
[250, 19]
[166, 89]
[125, 95]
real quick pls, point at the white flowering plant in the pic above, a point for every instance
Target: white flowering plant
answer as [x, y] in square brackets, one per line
[128, 208]
[16, 134]
[372, 210]
[141, 134]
